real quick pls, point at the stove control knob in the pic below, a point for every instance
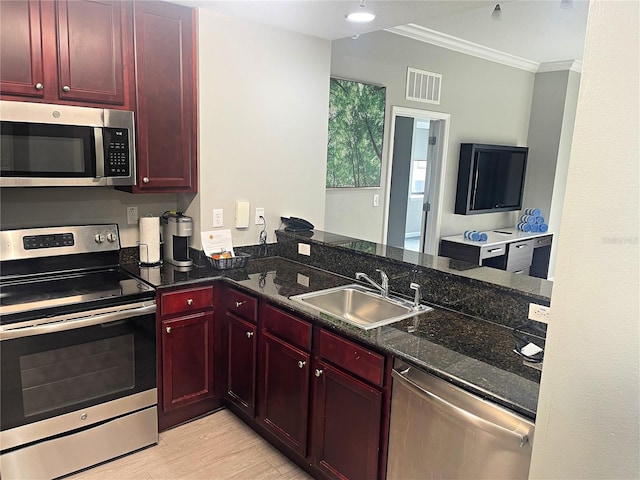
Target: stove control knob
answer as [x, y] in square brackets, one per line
[99, 238]
[111, 237]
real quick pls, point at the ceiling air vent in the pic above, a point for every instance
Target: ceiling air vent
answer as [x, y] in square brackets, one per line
[423, 86]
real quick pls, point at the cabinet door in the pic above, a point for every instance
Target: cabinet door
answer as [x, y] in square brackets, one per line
[166, 107]
[187, 360]
[241, 363]
[346, 426]
[90, 56]
[21, 62]
[284, 389]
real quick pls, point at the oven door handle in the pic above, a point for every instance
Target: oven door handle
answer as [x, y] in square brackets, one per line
[74, 323]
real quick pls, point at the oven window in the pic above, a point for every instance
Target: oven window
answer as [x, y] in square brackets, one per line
[58, 378]
[37, 150]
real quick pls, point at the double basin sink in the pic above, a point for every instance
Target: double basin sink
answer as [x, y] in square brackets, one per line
[360, 306]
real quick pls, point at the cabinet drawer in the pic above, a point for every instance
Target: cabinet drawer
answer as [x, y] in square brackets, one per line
[490, 251]
[542, 241]
[286, 326]
[352, 357]
[185, 301]
[520, 253]
[241, 304]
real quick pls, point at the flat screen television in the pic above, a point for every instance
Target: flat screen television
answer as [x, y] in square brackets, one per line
[490, 178]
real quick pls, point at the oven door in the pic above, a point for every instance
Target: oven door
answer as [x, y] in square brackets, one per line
[77, 362]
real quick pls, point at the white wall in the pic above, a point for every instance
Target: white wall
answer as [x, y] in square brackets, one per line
[588, 422]
[263, 99]
[553, 110]
[488, 103]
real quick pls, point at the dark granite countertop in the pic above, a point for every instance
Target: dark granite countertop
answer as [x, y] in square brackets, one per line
[472, 353]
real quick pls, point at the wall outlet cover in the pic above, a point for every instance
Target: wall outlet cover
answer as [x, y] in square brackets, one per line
[304, 249]
[218, 220]
[539, 313]
[132, 215]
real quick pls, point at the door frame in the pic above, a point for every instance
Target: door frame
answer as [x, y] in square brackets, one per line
[436, 196]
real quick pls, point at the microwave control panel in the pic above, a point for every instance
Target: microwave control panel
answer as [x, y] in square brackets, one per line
[117, 162]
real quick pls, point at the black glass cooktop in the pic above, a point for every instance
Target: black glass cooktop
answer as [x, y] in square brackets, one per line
[50, 295]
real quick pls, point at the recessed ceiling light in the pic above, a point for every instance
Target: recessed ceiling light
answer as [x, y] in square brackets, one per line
[360, 16]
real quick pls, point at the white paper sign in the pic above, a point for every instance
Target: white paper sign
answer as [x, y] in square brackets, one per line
[216, 241]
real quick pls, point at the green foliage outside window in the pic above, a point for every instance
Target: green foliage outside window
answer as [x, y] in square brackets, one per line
[356, 124]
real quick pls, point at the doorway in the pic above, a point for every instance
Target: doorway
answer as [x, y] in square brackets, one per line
[415, 177]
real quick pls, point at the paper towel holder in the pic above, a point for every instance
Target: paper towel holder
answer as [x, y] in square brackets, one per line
[145, 264]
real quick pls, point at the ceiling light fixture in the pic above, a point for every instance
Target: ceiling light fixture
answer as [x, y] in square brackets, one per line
[497, 13]
[360, 16]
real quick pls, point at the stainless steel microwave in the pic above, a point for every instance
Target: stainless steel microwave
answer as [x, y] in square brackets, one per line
[43, 145]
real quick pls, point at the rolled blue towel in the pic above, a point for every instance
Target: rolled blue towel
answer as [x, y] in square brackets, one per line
[535, 227]
[539, 220]
[543, 227]
[532, 211]
[530, 219]
[467, 234]
[483, 237]
[475, 236]
[524, 227]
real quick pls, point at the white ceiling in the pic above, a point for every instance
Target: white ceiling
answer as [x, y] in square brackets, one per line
[536, 30]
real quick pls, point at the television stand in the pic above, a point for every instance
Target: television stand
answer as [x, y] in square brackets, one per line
[509, 249]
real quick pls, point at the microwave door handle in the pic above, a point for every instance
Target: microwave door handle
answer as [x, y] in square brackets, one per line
[98, 134]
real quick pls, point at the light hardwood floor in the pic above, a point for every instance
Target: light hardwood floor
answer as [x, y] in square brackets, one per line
[218, 446]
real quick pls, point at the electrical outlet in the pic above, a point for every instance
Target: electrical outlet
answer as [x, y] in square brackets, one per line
[259, 213]
[539, 313]
[132, 215]
[217, 218]
[304, 249]
[376, 200]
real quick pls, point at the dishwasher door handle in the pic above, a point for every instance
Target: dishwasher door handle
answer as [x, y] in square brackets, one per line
[486, 425]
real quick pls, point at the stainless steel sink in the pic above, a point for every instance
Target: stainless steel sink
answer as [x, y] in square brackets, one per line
[360, 306]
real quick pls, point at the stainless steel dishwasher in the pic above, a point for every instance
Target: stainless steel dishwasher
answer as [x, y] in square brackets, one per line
[441, 431]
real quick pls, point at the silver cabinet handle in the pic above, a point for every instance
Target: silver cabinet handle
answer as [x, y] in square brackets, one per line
[66, 88]
[249, 334]
[520, 246]
[39, 86]
[168, 329]
[189, 301]
[318, 372]
[491, 250]
[239, 304]
[301, 364]
[145, 180]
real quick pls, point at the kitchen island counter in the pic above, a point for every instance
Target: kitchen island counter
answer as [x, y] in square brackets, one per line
[470, 352]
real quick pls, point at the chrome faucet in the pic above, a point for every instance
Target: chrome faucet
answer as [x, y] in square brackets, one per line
[418, 295]
[384, 287]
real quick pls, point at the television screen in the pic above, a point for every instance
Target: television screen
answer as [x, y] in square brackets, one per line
[490, 178]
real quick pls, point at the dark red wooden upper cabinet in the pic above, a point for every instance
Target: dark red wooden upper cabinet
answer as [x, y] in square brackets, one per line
[90, 54]
[21, 62]
[166, 97]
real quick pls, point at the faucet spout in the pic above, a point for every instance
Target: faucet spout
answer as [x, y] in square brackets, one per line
[384, 287]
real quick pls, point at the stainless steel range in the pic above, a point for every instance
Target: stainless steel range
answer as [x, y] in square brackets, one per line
[78, 352]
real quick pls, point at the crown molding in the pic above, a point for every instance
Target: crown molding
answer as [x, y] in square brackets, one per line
[572, 65]
[427, 35]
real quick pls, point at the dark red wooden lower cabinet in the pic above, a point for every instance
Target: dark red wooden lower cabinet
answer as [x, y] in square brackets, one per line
[346, 424]
[284, 391]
